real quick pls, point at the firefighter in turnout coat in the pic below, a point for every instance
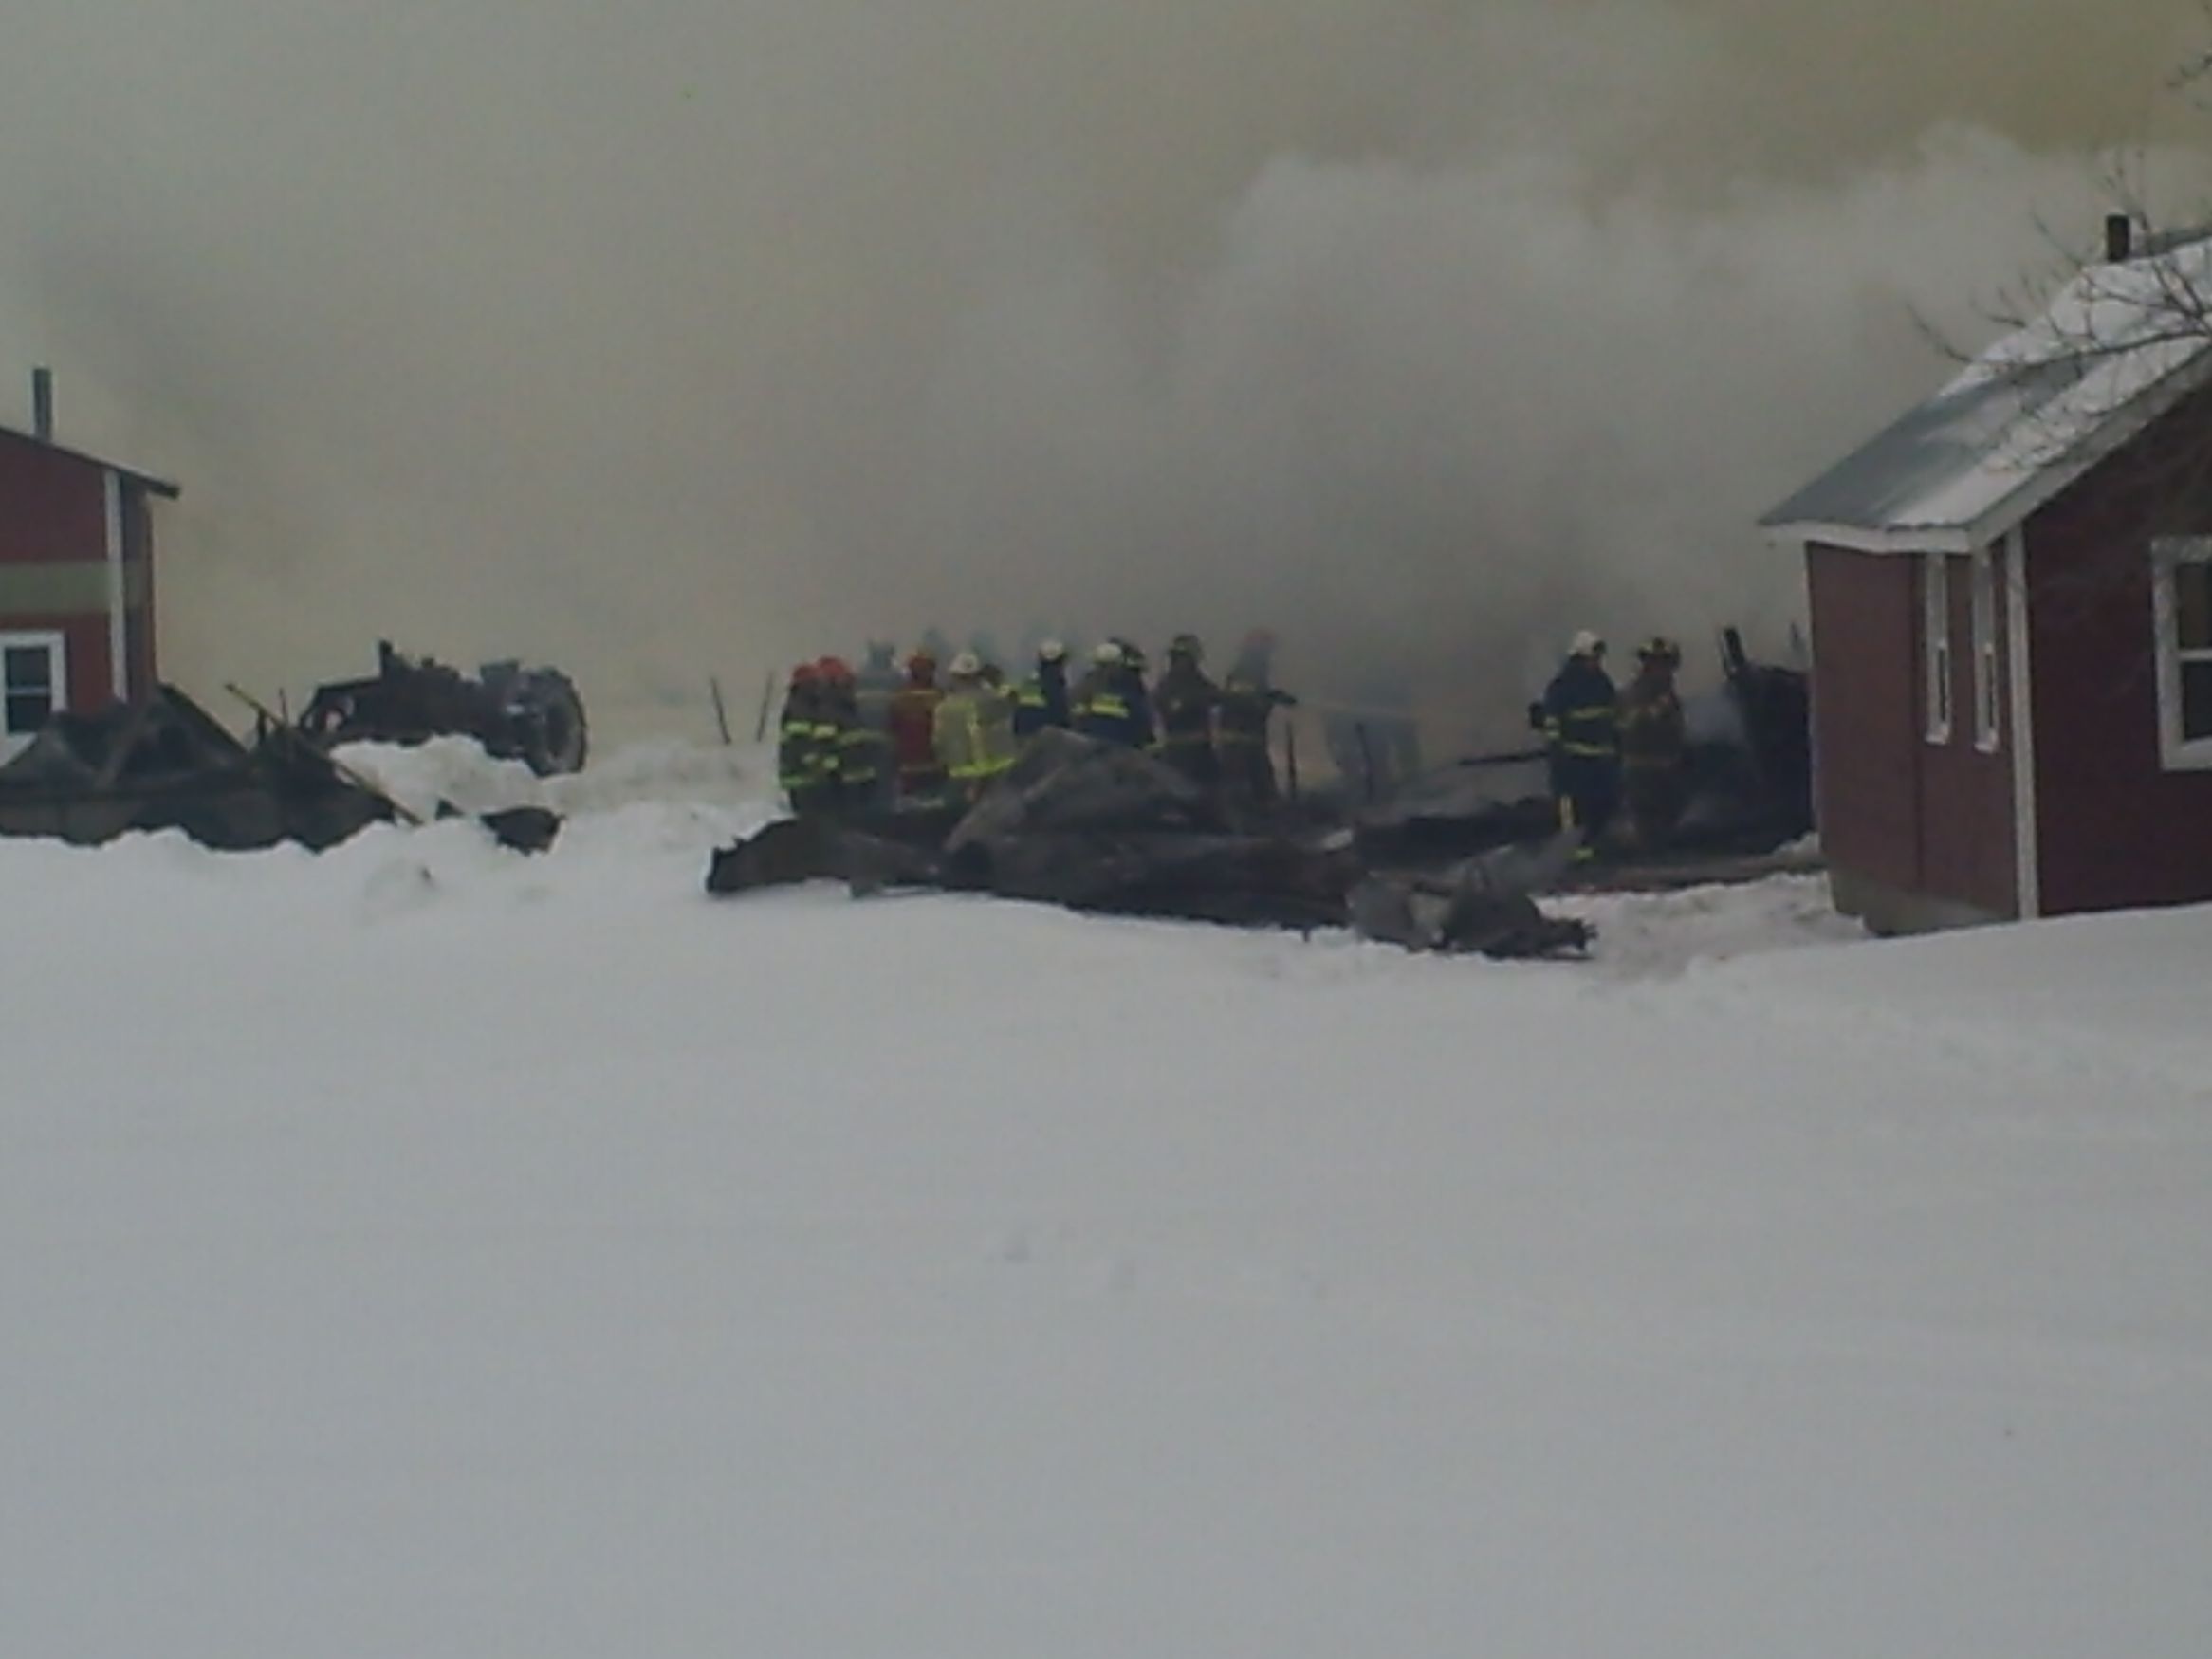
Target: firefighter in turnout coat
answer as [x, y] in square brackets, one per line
[1580, 719]
[854, 748]
[873, 689]
[1106, 705]
[1042, 700]
[1143, 718]
[914, 734]
[973, 728]
[805, 757]
[1653, 744]
[1248, 699]
[1184, 700]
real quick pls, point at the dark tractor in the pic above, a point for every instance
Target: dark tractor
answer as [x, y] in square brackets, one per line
[529, 714]
[1750, 756]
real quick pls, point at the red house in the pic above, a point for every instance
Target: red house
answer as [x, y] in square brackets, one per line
[2011, 602]
[76, 578]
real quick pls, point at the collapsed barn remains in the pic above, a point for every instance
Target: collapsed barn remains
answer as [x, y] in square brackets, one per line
[164, 763]
[1103, 829]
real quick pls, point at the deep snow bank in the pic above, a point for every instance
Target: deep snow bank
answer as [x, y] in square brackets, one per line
[456, 769]
[423, 1248]
[716, 789]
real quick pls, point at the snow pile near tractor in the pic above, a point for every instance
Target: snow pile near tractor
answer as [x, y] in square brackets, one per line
[457, 770]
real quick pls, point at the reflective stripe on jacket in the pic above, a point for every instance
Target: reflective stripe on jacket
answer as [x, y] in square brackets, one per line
[1042, 700]
[974, 732]
[806, 746]
[861, 752]
[1104, 708]
[1582, 713]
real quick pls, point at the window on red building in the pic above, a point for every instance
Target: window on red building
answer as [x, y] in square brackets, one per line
[1984, 608]
[2182, 617]
[1935, 635]
[31, 686]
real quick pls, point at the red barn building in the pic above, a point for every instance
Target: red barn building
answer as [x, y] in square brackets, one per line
[2011, 602]
[76, 578]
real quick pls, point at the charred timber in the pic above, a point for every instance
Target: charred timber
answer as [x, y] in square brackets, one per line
[1101, 829]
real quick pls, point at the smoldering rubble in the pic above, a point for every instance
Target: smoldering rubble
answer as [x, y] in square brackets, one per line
[1103, 829]
[164, 763]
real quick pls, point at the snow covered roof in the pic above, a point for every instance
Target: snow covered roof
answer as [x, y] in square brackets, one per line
[2117, 348]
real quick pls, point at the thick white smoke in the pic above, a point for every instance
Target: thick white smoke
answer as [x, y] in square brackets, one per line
[693, 336]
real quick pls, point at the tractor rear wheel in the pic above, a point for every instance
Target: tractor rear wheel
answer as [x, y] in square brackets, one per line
[560, 739]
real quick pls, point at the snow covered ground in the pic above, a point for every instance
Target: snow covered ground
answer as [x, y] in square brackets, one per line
[423, 1249]
[455, 770]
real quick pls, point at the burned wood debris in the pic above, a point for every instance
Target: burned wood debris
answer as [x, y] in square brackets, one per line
[1445, 861]
[1103, 829]
[165, 763]
[1480, 905]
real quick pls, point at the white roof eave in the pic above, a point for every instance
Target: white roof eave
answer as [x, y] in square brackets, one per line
[1859, 538]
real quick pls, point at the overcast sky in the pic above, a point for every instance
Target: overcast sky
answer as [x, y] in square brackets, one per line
[692, 336]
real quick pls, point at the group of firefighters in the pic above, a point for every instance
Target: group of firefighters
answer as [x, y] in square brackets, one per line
[1613, 749]
[883, 738]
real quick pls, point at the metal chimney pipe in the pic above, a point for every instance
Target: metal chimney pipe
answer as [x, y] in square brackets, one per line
[42, 405]
[2119, 238]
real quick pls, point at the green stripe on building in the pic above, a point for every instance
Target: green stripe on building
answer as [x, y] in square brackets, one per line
[53, 589]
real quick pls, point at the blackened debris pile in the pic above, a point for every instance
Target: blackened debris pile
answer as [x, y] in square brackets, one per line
[164, 763]
[1100, 828]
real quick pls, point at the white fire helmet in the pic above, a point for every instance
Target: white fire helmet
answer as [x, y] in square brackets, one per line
[1586, 644]
[1107, 654]
[967, 666]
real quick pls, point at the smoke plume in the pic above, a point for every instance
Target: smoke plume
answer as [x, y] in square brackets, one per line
[694, 336]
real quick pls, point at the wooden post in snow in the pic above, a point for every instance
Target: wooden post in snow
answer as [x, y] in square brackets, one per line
[768, 696]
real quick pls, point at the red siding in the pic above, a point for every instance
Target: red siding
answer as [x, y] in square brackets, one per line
[2116, 829]
[53, 506]
[1866, 714]
[1965, 795]
[138, 649]
[1931, 820]
[85, 643]
[53, 509]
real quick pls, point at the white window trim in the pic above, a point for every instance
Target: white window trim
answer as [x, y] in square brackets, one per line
[1935, 645]
[1983, 578]
[56, 645]
[2175, 752]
